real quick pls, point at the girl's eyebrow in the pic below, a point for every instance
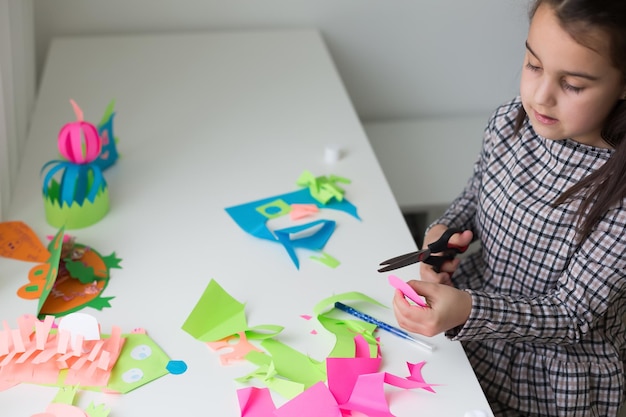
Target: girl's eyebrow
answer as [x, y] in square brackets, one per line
[569, 73]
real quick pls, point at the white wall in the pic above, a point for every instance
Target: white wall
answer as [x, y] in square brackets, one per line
[17, 89]
[398, 58]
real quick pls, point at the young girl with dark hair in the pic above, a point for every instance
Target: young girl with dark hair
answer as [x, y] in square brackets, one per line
[539, 306]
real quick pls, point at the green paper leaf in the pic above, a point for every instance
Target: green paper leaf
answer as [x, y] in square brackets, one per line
[78, 270]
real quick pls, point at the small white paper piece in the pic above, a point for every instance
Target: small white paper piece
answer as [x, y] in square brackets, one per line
[332, 154]
[80, 324]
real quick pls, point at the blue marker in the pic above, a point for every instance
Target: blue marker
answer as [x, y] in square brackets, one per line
[385, 326]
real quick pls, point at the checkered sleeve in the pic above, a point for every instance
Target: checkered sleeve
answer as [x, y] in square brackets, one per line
[593, 281]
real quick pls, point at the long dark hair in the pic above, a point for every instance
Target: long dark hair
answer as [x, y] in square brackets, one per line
[606, 186]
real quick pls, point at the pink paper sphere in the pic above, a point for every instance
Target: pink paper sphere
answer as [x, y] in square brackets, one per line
[79, 142]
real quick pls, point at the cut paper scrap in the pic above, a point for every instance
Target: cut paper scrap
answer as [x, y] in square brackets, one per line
[18, 241]
[284, 369]
[345, 330]
[323, 189]
[74, 277]
[354, 384]
[344, 372]
[63, 406]
[255, 402]
[267, 375]
[289, 363]
[252, 217]
[233, 348]
[299, 211]
[314, 402]
[326, 259]
[108, 155]
[75, 192]
[218, 315]
[407, 290]
[312, 236]
[115, 363]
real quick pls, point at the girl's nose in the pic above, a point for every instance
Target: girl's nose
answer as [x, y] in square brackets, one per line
[545, 92]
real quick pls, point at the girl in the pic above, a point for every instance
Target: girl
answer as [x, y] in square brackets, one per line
[539, 306]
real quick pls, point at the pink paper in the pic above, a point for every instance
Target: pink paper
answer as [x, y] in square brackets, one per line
[316, 401]
[255, 402]
[407, 290]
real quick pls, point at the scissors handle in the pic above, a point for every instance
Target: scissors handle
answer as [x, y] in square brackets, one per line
[443, 243]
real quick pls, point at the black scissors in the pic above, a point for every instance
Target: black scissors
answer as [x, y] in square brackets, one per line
[442, 246]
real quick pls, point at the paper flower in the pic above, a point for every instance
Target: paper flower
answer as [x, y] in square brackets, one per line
[74, 190]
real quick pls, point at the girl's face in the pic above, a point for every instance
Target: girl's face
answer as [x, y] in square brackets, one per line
[567, 89]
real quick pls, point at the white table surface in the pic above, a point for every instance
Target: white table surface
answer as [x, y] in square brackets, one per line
[207, 121]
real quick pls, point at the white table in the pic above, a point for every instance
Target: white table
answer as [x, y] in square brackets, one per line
[207, 121]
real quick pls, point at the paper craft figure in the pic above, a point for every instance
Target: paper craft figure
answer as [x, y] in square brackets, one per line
[71, 354]
[320, 192]
[73, 277]
[63, 406]
[75, 192]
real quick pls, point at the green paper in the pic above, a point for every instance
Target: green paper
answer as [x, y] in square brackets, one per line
[329, 303]
[75, 216]
[107, 113]
[55, 247]
[267, 375]
[322, 188]
[344, 331]
[326, 259]
[294, 365]
[263, 331]
[274, 209]
[77, 269]
[141, 361]
[66, 395]
[97, 410]
[216, 315]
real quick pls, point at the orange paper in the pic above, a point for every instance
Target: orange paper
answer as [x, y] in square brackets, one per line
[18, 241]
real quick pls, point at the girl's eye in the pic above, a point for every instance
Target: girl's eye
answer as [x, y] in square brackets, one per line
[569, 87]
[532, 67]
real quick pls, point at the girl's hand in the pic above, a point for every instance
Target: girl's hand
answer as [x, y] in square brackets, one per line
[448, 308]
[427, 273]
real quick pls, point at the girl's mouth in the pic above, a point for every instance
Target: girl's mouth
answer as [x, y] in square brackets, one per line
[546, 120]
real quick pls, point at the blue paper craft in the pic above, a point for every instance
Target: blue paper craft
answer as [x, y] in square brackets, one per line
[252, 218]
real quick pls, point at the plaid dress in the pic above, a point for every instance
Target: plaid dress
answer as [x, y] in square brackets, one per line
[545, 335]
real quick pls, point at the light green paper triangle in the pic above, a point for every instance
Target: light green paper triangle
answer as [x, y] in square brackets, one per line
[216, 315]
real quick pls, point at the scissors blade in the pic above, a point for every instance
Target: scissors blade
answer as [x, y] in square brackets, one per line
[404, 260]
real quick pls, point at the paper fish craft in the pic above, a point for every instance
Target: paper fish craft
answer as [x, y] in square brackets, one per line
[75, 192]
[69, 276]
[321, 192]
